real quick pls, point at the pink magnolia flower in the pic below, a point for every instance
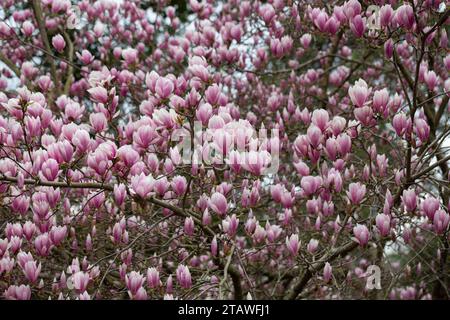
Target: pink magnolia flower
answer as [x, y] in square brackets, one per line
[441, 221]
[134, 281]
[312, 246]
[409, 200]
[404, 16]
[179, 185]
[184, 276]
[327, 272]
[57, 234]
[58, 43]
[142, 184]
[32, 271]
[164, 87]
[386, 14]
[320, 118]
[99, 94]
[214, 247]
[230, 225]
[429, 206]
[310, 184]
[293, 244]
[22, 292]
[120, 193]
[383, 222]
[362, 234]
[218, 203]
[422, 129]
[359, 93]
[358, 26]
[80, 281]
[98, 121]
[401, 123]
[356, 192]
[189, 226]
[153, 279]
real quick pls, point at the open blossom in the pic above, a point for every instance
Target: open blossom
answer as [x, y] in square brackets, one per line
[99, 94]
[230, 225]
[142, 184]
[80, 281]
[32, 270]
[218, 203]
[359, 93]
[310, 184]
[134, 281]
[356, 192]
[163, 87]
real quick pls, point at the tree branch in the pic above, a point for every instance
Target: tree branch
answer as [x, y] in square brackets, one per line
[315, 267]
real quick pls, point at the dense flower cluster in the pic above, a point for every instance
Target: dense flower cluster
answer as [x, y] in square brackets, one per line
[224, 149]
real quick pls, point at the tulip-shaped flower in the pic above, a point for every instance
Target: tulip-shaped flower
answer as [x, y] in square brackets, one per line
[58, 43]
[356, 192]
[218, 203]
[134, 281]
[312, 246]
[22, 292]
[184, 276]
[141, 294]
[404, 15]
[422, 129]
[119, 193]
[80, 281]
[57, 234]
[179, 185]
[310, 184]
[401, 124]
[429, 206]
[189, 226]
[327, 272]
[359, 93]
[230, 225]
[383, 222]
[441, 221]
[164, 87]
[32, 271]
[409, 200]
[50, 169]
[99, 94]
[128, 155]
[293, 244]
[153, 280]
[320, 118]
[98, 121]
[214, 247]
[142, 184]
[362, 234]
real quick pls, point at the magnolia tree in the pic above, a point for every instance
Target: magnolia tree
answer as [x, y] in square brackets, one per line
[224, 149]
